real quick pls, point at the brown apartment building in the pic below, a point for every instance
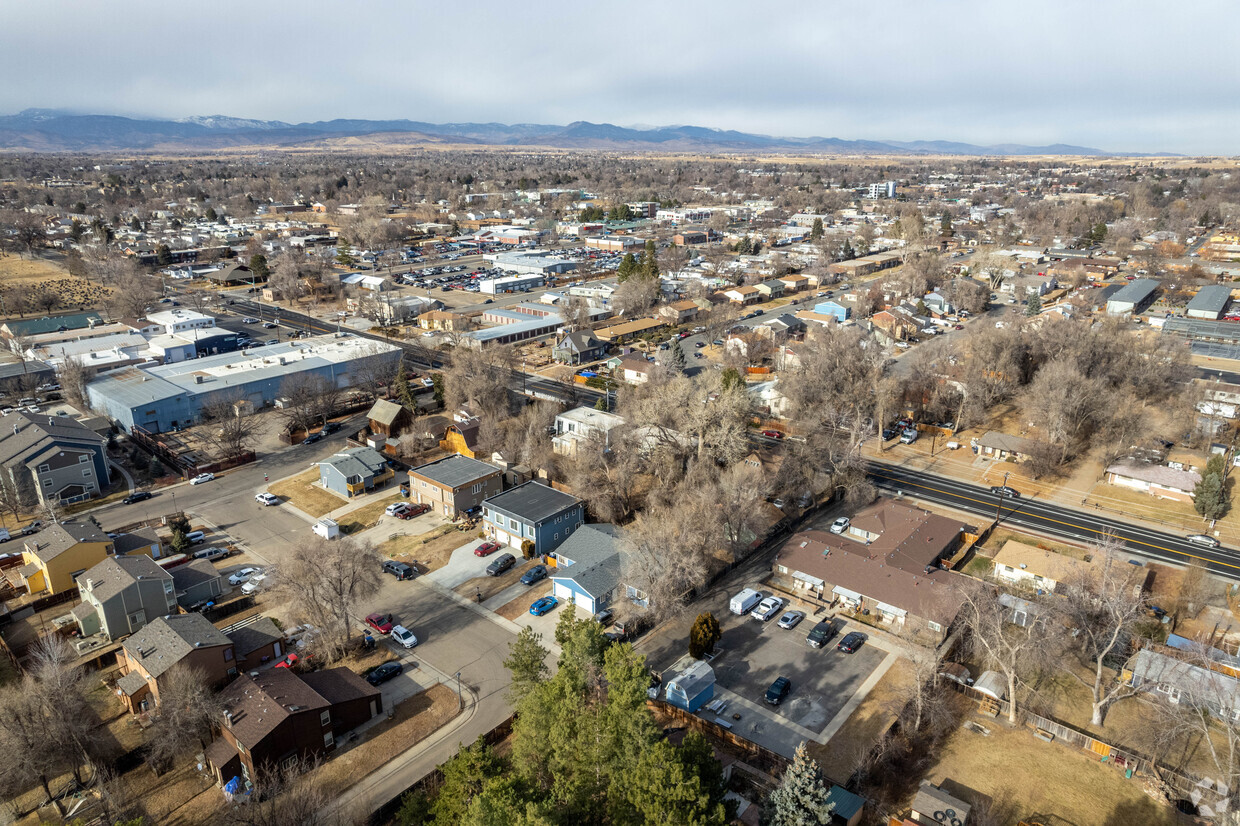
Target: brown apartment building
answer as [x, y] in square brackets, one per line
[168, 641]
[455, 485]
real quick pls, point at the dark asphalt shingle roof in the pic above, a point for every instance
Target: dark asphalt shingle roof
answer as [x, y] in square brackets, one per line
[257, 705]
[116, 573]
[595, 553]
[57, 538]
[168, 640]
[192, 574]
[532, 501]
[250, 638]
[143, 537]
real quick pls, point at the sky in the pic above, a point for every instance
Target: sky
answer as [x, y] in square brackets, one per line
[1133, 76]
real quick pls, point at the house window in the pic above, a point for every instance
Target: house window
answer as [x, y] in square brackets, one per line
[476, 489]
[228, 654]
[86, 473]
[47, 483]
[44, 468]
[232, 672]
[557, 537]
[328, 739]
[325, 718]
[512, 523]
[934, 626]
[783, 569]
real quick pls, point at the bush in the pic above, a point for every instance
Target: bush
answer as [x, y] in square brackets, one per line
[704, 635]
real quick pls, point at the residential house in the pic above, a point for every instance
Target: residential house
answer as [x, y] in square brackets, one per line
[52, 459]
[196, 582]
[57, 555]
[532, 511]
[618, 333]
[794, 283]
[444, 321]
[690, 238]
[260, 642]
[680, 312]
[582, 424]
[634, 368]
[388, 418]
[578, 347]
[454, 486]
[121, 594]
[461, 436]
[1034, 567]
[587, 567]
[141, 540]
[1160, 481]
[355, 471]
[1004, 446]
[164, 643]
[743, 295]
[1196, 682]
[886, 563]
[780, 328]
[897, 326]
[279, 715]
[773, 288]
[834, 309]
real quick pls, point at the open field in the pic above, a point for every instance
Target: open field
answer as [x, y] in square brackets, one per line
[301, 492]
[15, 270]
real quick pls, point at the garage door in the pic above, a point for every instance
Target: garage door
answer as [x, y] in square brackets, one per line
[501, 537]
[562, 591]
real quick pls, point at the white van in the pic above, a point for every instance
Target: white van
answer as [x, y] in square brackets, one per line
[744, 602]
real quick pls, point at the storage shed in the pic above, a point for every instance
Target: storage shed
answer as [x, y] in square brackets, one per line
[692, 688]
[992, 684]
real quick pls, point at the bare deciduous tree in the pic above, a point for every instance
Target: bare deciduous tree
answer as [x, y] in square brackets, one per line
[326, 581]
[188, 709]
[1014, 649]
[232, 426]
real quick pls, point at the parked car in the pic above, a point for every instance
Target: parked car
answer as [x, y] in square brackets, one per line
[312, 438]
[202, 477]
[413, 510]
[501, 564]
[195, 537]
[604, 617]
[266, 499]
[400, 570]
[288, 661]
[249, 320]
[851, 642]
[767, 608]
[404, 636]
[791, 619]
[778, 691]
[396, 508]
[139, 496]
[33, 527]
[888, 434]
[270, 325]
[1202, 539]
[255, 583]
[211, 554]
[486, 549]
[331, 427]
[383, 623]
[535, 574]
[381, 674]
[1004, 490]
[820, 634]
[840, 525]
[772, 434]
[908, 436]
[543, 606]
[243, 575]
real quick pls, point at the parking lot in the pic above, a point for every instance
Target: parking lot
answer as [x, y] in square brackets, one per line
[753, 653]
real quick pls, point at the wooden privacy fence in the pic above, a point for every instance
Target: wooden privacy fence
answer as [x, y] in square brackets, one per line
[755, 755]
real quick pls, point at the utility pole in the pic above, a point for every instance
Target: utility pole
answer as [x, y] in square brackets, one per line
[460, 701]
[1001, 493]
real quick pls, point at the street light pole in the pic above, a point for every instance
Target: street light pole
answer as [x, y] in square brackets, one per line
[460, 701]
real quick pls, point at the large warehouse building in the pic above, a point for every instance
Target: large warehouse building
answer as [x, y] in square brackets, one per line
[172, 395]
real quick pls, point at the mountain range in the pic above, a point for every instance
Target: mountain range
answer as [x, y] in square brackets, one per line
[50, 130]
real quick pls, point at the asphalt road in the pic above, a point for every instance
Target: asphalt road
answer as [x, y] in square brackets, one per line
[1053, 519]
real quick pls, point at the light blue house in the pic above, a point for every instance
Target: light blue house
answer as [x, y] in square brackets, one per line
[833, 308]
[587, 567]
[692, 688]
[532, 511]
[354, 471]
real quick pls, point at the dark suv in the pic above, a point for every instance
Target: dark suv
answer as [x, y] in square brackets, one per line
[399, 569]
[501, 564]
[778, 691]
[820, 634]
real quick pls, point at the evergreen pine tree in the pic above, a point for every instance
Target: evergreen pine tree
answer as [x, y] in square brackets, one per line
[601, 404]
[404, 393]
[258, 266]
[676, 358]
[1033, 305]
[816, 231]
[650, 261]
[344, 253]
[801, 799]
[628, 268]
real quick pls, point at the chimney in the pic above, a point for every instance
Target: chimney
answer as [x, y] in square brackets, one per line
[228, 717]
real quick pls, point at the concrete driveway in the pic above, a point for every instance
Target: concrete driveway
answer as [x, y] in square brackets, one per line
[463, 565]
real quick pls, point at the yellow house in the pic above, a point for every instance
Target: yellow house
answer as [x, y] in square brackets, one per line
[55, 556]
[461, 438]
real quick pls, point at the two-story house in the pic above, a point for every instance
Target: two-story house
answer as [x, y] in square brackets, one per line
[454, 486]
[258, 643]
[587, 567]
[141, 540]
[52, 459]
[532, 511]
[578, 347]
[355, 471]
[121, 594]
[278, 715]
[165, 642]
[57, 555]
[582, 424]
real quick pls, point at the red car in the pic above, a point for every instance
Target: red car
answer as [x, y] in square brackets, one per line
[381, 622]
[288, 662]
[413, 510]
[772, 434]
[486, 549]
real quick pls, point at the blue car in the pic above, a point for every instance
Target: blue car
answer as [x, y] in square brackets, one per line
[543, 605]
[535, 574]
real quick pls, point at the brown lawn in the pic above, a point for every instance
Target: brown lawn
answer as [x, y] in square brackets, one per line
[489, 586]
[520, 606]
[367, 516]
[302, 494]
[430, 551]
[840, 756]
[1024, 778]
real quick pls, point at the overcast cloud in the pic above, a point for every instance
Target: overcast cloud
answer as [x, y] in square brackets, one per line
[1136, 76]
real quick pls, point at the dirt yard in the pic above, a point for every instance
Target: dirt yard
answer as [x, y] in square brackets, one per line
[302, 494]
[367, 516]
[429, 551]
[520, 606]
[489, 586]
[1020, 777]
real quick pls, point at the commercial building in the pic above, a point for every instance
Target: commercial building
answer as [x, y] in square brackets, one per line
[1133, 298]
[532, 263]
[1210, 302]
[510, 284]
[166, 396]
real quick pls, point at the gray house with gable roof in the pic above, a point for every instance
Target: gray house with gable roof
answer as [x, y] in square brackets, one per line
[122, 594]
[52, 459]
[535, 512]
[587, 567]
[354, 471]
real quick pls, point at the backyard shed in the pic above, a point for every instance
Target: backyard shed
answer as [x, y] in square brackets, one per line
[992, 684]
[693, 687]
